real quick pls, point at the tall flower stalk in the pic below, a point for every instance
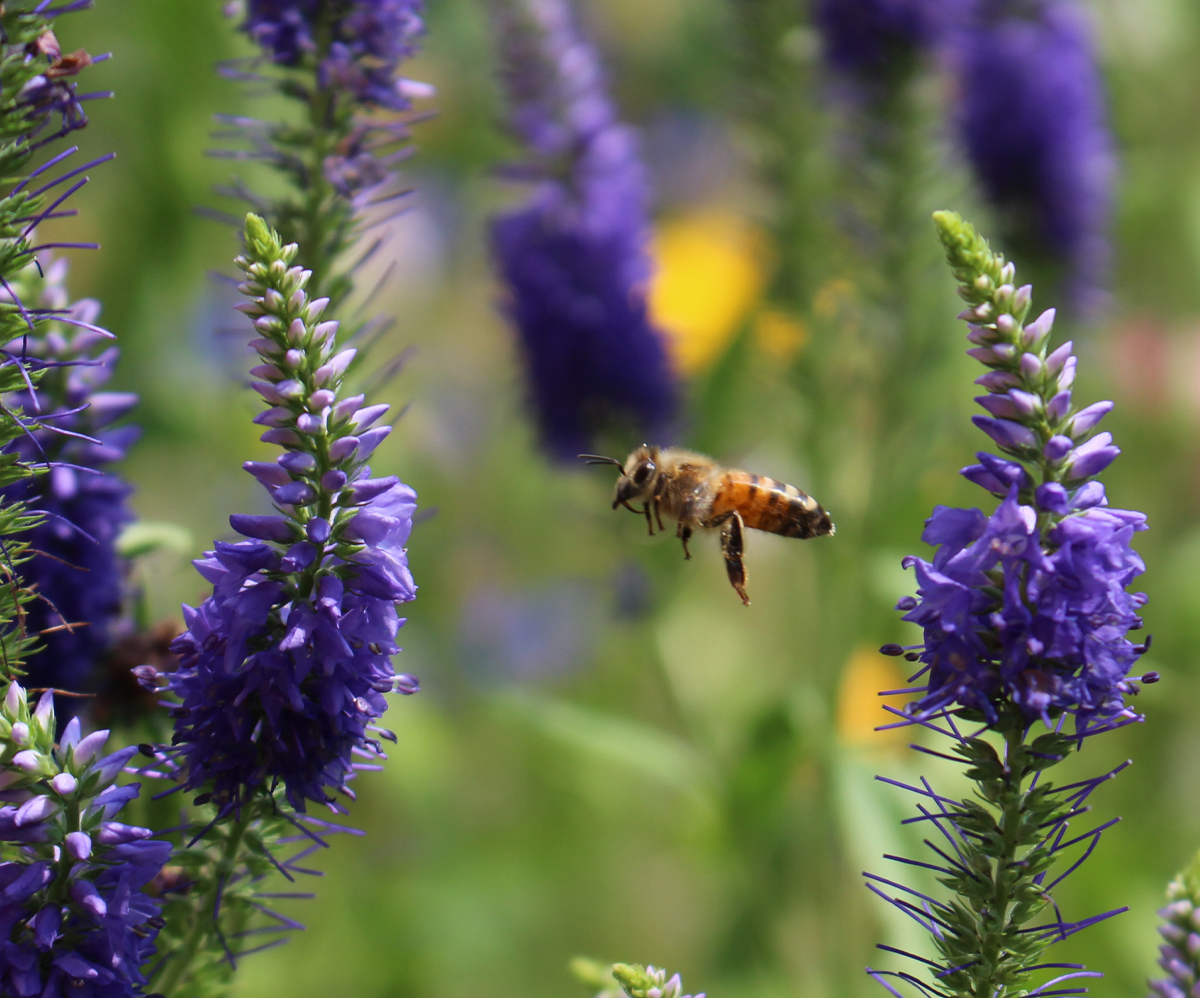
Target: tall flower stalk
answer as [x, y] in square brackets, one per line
[283, 669]
[574, 258]
[45, 341]
[1033, 123]
[337, 62]
[1026, 618]
[76, 570]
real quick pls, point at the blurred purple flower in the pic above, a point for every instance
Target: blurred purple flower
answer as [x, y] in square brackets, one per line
[368, 41]
[574, 259]
[1033, 121]
[507, 637]
[75, 568]
[877, 37]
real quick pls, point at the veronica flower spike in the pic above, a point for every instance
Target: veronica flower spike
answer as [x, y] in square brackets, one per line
[338, 62]
[74, 914]
[1025, 617]
[1179, 954]
[75, 568]
[1034, 127]
[283, 670]
[573, 258]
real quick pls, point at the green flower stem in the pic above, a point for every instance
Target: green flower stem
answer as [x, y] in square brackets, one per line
[178, 967]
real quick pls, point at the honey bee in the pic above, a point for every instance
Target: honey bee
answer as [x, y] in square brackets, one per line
[699, 494]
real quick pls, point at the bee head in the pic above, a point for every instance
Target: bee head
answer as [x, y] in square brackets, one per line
[638, 476]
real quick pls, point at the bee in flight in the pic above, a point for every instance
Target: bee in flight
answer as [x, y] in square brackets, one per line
[699, 494]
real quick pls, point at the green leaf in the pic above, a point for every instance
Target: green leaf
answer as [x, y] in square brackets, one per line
[143, 538]
[651, 752]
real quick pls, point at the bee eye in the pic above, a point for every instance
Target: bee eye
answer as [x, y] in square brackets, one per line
[643, 472]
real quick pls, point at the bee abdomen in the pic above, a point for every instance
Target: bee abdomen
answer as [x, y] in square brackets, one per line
[771, 505]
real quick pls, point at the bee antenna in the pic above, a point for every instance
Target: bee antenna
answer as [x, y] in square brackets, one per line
[600, 459]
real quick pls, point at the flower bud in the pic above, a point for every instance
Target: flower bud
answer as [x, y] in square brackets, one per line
[28, 761]
[1057, 447]
[78, 845]
[313, 310]
[88, 746]
[1056, 360]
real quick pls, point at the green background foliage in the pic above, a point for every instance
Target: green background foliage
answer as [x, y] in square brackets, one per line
[643, 769]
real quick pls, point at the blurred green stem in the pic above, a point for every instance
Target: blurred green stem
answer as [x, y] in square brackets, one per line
[204, 918]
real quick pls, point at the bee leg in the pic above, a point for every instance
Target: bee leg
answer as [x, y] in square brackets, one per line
[649, 522]
[658, 515]
[732, 548]
[685, 535]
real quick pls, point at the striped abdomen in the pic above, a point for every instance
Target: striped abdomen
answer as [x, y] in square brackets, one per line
[767, 504]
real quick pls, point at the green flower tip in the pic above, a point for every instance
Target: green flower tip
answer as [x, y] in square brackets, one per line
[979, 270]
[591, 972]
[633, 978]
[1187, 883]
[264, 244]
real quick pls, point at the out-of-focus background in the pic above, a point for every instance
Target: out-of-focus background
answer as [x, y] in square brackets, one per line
[610, 755]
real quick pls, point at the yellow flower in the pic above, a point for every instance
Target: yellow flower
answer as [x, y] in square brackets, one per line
[709, 272]
[860, 708]
[779, 335]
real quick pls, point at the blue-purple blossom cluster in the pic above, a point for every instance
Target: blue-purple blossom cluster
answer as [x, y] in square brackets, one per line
[872, 37]
[283, 670]
[1033, 121]
[1179, 954]
[574, 259]
[74, 918]
[1010, 610]
[75, 569]
[1027, 605]
[358, 44]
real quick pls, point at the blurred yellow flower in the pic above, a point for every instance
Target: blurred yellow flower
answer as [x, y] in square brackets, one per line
[710, 267]
[779, 335]
[860, 708]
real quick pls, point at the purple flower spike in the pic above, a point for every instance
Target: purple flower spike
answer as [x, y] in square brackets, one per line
[876, 39]
[75, 565]
[1026, 618]
[573, 259]
[370, 38]
[1033, 123]
[283, 669]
